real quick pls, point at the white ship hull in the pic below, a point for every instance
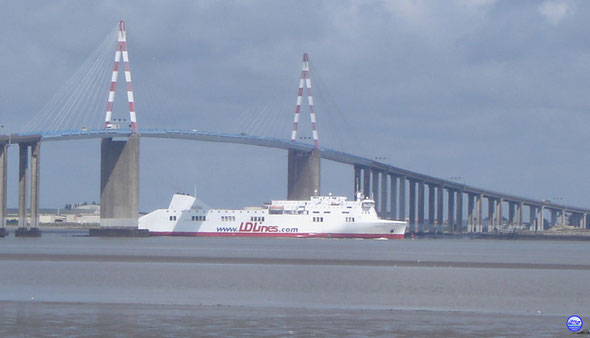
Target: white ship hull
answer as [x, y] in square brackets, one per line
[323, 216]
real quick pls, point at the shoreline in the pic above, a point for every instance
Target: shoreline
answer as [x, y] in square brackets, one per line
[568, 235]
[522, 235]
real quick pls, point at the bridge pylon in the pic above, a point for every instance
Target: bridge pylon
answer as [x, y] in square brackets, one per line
[121, 52]
[119, 164]
[303, 171]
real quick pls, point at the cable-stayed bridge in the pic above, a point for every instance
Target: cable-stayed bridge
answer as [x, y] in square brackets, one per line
[398, 193]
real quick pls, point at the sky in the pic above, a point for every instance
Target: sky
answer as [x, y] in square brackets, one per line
[492, 92]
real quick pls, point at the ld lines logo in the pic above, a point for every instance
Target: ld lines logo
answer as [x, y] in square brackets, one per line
[255, 227]
[574, 323]
[258, 228]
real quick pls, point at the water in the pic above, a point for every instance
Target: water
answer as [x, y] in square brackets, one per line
[67, 284]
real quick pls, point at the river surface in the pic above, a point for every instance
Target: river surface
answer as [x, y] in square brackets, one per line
[65, 283]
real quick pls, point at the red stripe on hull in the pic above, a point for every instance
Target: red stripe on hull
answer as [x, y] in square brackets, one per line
[274, 234]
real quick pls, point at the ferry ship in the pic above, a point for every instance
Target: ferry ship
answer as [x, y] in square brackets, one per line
[320, 216]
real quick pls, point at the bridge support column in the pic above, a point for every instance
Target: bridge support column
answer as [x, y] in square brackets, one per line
[367, 182]
[383, 195]
[3, 175]
[540, 219]
[511, 214]
[470, 213]
[420, 206]
[562, 216]
[393, 196]
[499, 218]
[357, 180]
[412, 206]
[451, 211]
[35, 183]
[459, 218]
[532, 218]
[23, 171]
[402, 198]
[375, 188]
[491, 225]
[479, 221]
[439, 208]
[431, 189]
[303, 174]
[519, 214]
[119, 188]
[553, 217]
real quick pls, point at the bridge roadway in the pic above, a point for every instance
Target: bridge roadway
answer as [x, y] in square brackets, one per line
[373, 167]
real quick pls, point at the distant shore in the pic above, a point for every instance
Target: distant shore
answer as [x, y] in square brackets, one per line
[570, 235]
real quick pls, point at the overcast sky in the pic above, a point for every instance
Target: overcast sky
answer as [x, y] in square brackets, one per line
[494, 92]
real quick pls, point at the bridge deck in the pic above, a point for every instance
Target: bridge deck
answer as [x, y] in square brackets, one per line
[329, 154]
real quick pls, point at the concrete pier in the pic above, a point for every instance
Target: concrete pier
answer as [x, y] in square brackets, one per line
[367, 182]
[431, 196]
[119, 184]
[303, 173]
[383, 190]
[402, 198]
[470, 213]
[491, 215]
[451, 210]
[519, 214]
[540, 219]
[532, 218]
[459, 218]
[479, 213]
[393, 200]
[553, 217]
[23, 171]
[35, 183]
[421, 208]
[3, 189]
[25, 229]
[499, 218]
[357, 180]
[439, 208]
[412, 206]
[375, 187]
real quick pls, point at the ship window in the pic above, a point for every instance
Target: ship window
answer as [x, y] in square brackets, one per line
[327, 212]
[316, 212]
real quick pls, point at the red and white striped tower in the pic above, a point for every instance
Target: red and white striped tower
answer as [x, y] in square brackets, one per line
[305, 79]
[121, 50]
